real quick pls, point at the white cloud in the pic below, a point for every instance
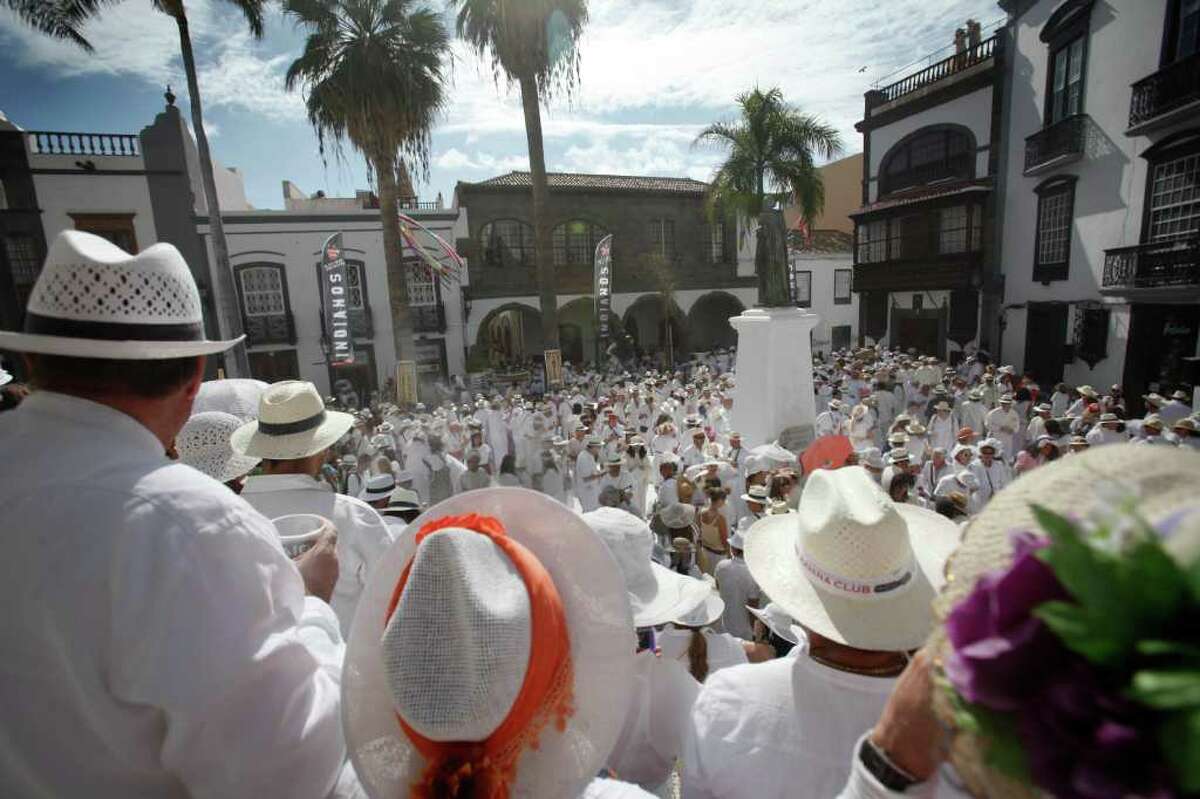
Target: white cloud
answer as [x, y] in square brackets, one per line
[455, 159]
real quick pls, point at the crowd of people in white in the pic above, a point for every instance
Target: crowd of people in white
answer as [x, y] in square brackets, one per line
[606, 563]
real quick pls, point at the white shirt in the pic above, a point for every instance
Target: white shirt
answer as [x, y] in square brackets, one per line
[660, 701]
[153, 625]
[738, 589]
[723, 649]
[784, 729]
[362, 535]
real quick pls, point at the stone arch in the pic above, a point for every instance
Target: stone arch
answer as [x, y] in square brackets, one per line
[897, 171]
[708, 321]
[577, 329]
[510, 332]
[648, 326]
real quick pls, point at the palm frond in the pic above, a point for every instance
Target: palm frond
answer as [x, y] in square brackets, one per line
[59, 19]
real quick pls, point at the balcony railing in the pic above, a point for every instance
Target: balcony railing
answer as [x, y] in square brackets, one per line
[1167, 90]
[935, 72]
[1057, 143]
[415, 205]
[1148, 266]
[428, 318]
[46, 142]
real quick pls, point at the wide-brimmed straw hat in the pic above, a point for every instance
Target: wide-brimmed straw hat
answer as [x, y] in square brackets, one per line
[656, 593]
[238, 396]
[292, 423]
[451, 650]
[777, 621]
[94, 300]
[852, 565]
[1166, 483]
[709, 611]
[203, 444]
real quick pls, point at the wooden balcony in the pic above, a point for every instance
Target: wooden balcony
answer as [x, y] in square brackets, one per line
[1057, 144]
[1149, 268]
[1166, 96]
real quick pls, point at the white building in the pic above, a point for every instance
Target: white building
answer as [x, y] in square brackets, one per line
[822, 273]
[925, 267]
[1101, 206]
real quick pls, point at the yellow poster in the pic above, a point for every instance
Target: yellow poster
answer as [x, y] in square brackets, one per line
[554, 376]
[406, 383]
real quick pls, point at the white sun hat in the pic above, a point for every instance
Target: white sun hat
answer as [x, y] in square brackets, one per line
[237, 395]
[378, 486]
[292, 423]
[454, 655]
[5, 377]
[707, 612]
[852, 565]
[203, 444]
[656, 593]
[777, 621]
[94, 300]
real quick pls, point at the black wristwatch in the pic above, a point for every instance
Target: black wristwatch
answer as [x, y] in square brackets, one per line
[888, 773]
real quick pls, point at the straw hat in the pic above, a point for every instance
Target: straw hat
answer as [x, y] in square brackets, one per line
[777, 621]
[757, 493]
[203, 444]
[402, 500]
[292, 423]
[453, 657]
[1167, 482]
[707, 612]
[656, 593]
[238, 396]
[377, 487]
[852, 565]
[94, 300]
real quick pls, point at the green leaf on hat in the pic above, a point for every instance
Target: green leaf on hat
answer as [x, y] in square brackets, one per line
[1179, 738]
[1159, 648]
[1174, 689]
[1003, 750]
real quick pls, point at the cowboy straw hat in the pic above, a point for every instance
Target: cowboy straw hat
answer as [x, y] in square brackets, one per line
[597, 620]
[656, 593]
[852, 565]
[292, 423]
[203, 444]
[94, 300]
[1166, 481]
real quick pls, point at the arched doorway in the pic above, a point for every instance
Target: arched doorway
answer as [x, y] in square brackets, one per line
[577, 330]
[654, 332]
[510, 335]
[708, 321]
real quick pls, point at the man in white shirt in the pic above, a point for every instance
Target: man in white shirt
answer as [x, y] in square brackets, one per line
[992, 472]
[831, 422]
[587, 476]
[1003, 424]
[291, 465]
[693, 454]
[738, 590]
[1107, 431]
[1175, 408]
[153, 626]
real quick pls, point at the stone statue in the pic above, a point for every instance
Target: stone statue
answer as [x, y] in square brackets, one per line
[771, 261]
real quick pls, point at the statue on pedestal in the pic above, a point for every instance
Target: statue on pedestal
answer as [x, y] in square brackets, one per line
[771, 261]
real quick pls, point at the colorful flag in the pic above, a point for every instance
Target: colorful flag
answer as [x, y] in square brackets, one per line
[443, 259]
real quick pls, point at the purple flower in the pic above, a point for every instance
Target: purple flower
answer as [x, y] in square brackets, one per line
[998, 644]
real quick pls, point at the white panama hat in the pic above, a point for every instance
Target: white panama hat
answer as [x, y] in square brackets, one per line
[94, 300]
[656, 593]
[239, 396]
[598, 622]
[377, 487]
[852, 565]
[292, 423]
[777, 621]
[203, 444]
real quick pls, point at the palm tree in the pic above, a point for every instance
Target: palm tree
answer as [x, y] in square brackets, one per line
[373, 73]
[533, 43]
[64, 19]
[772, 149]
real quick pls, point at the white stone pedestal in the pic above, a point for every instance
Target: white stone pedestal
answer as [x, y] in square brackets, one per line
[774, 390]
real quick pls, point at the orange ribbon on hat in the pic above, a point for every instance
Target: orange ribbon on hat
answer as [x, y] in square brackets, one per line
[486, 769]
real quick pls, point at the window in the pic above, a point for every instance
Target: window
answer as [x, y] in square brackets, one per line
[803, 289]
[1056, 201]
[24, 263]
[575, 242]
[422, 284]
[1183, 30]
[356, 294]
[959, 229]
[927, 156]
[1174, 207]
[1091, 334]
[506, 242]
[1066, 89]
[662, 238]
[117, 228]
[716, 247]
[841, 286]
[872, 241]
[262, 290]
[840, 337]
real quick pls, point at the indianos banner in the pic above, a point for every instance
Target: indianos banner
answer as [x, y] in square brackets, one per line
[334, 288]
[603, 287]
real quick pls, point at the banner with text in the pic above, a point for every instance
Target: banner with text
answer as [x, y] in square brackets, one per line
[603, 288]
[334, 290]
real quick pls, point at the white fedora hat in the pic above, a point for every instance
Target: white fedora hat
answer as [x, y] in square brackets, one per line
[292, 423]
[238, 396]
[203, 444]
[378, 486]
[852, 565]
[656, 593]
[94, 300]
[471, 612]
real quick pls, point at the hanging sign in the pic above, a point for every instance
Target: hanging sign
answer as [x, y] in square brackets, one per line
[603, 287]
[334, 294]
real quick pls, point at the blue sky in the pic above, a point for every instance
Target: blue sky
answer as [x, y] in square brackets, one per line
[654, 72]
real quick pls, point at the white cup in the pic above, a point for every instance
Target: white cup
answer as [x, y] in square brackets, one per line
[298, 532]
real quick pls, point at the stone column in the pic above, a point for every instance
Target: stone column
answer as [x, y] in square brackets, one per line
[773, 397]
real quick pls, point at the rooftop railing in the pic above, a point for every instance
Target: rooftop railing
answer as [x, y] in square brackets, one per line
[50, 142]
[935, 72]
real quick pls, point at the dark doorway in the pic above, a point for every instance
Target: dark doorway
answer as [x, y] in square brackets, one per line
[570, 342]
[271, 367]
[1161, 337]
[923, 331]
[1045, 341]
[358, 377]
[840, 335]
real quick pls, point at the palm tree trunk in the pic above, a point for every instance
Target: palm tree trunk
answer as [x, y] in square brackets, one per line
[229, 316]
[393, 257]
[542, 248]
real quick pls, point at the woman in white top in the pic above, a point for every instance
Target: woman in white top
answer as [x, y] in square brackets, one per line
[692, 641]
